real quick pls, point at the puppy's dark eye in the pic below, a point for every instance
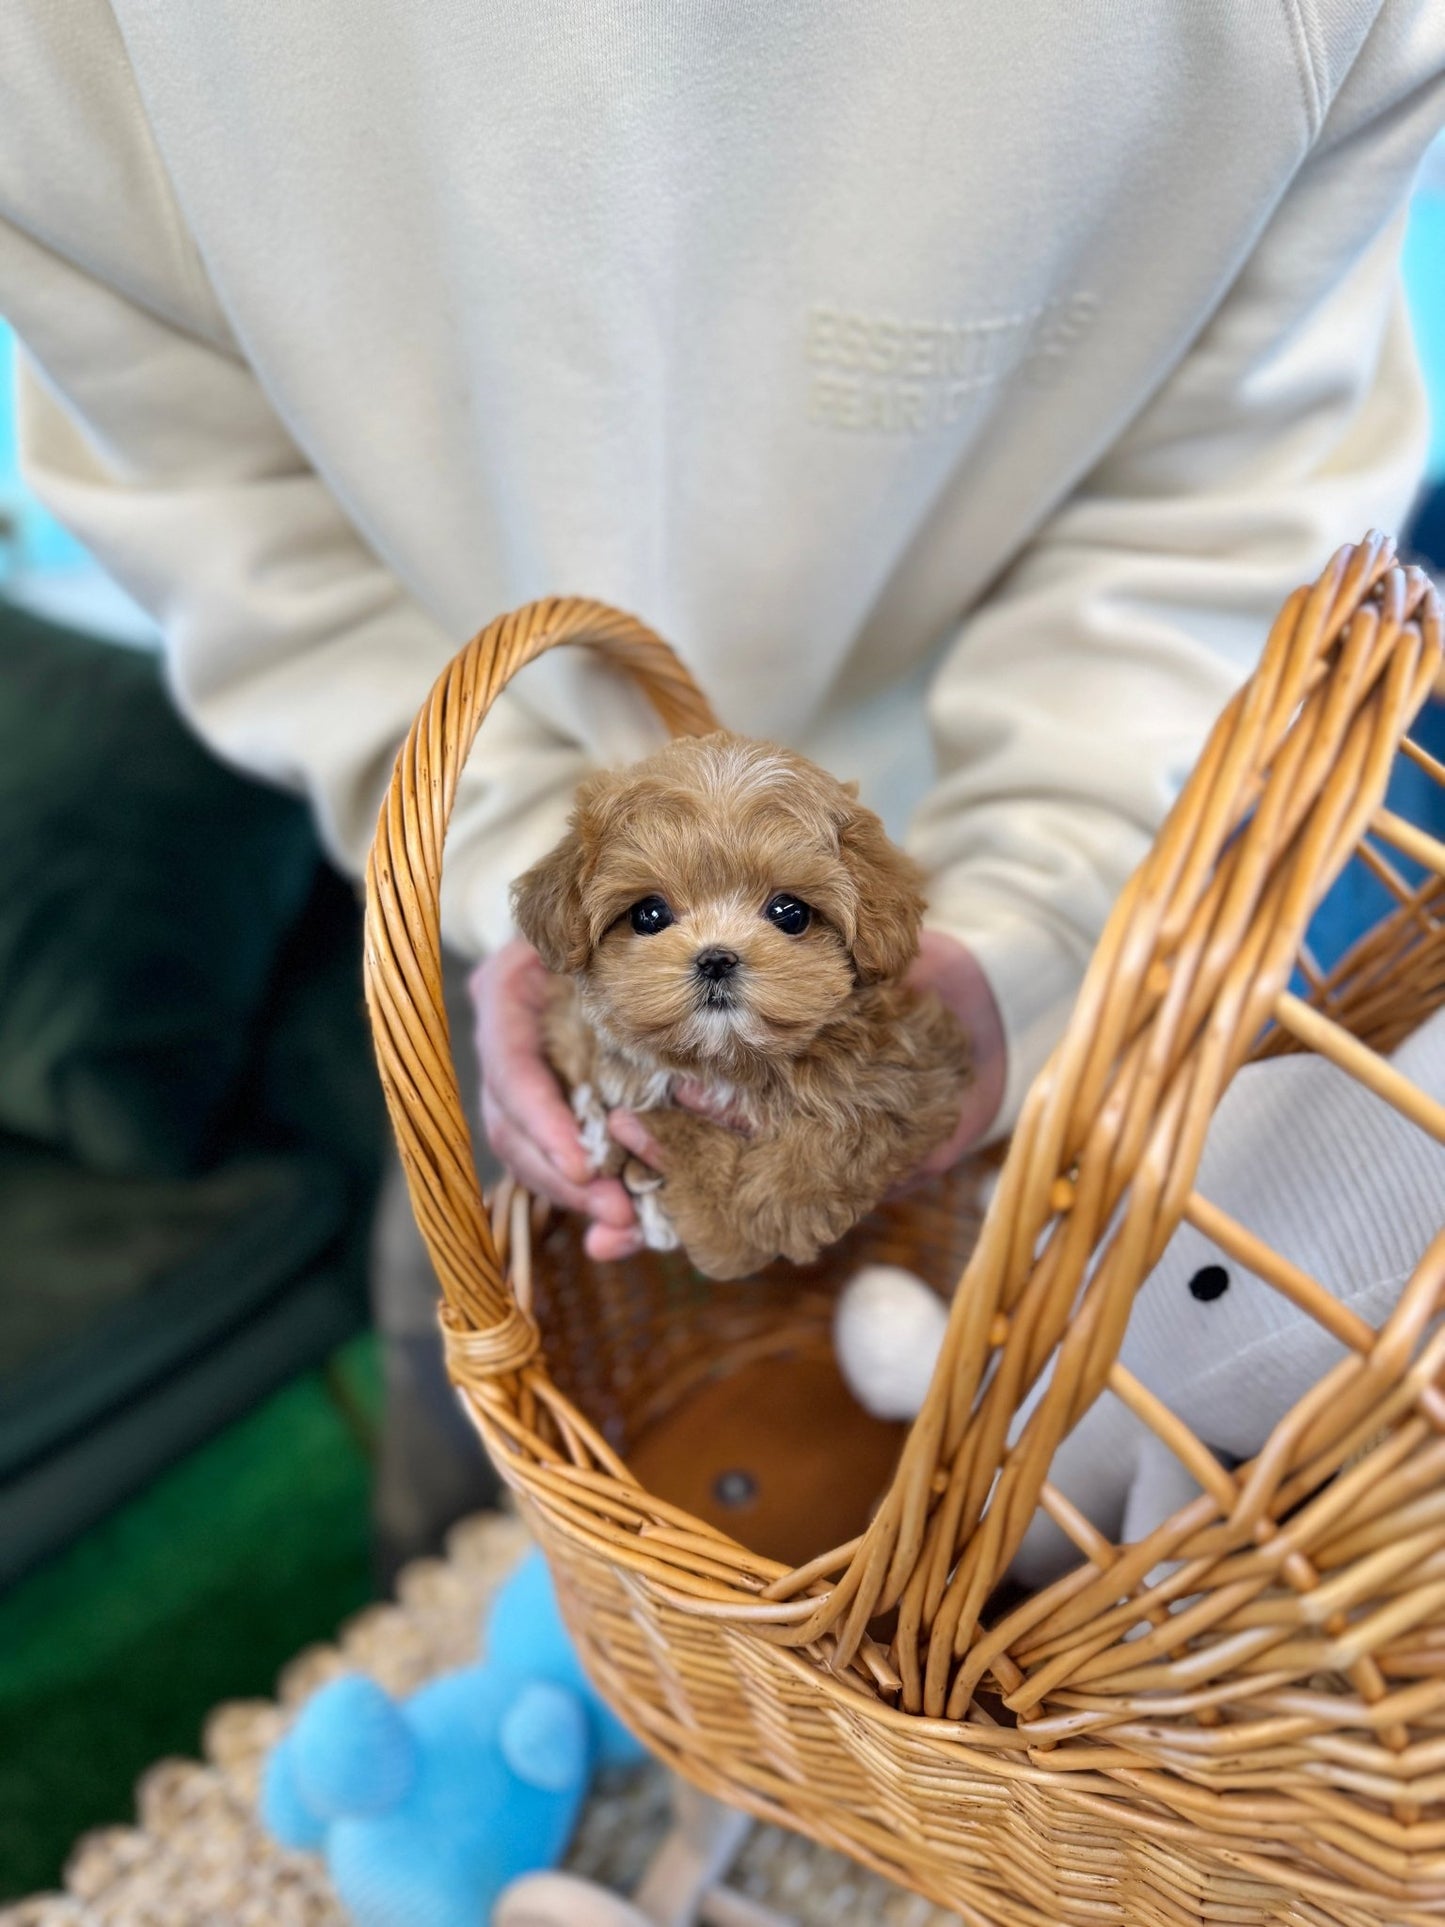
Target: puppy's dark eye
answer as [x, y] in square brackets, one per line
[788, 914]
[650, 915]
[1209, 1282]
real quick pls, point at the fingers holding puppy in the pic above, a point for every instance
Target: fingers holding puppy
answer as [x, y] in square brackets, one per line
[518, 1087]
[601, 1198]
[627, 1129]
[528, 1122]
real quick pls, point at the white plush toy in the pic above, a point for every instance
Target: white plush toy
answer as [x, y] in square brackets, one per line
[1300, 1153]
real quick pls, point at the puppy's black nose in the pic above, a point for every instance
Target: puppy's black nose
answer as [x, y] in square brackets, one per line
[715, 964]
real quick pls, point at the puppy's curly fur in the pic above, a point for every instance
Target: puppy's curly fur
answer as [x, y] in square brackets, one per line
[728, 913]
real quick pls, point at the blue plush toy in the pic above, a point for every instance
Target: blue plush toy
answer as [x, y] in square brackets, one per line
[427, 1808]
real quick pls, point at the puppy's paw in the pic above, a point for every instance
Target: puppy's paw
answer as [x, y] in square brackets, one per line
[591, 1116]
[657, 1228]
[643, 1187]
[639, 1180]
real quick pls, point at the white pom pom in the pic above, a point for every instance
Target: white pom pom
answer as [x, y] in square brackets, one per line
[887, 1331]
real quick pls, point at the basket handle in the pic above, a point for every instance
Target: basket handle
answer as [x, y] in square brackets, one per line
[402, 965]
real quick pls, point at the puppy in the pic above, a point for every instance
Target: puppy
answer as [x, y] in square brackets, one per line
[727, 913]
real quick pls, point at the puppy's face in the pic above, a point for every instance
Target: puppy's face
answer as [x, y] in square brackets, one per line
[724, 898]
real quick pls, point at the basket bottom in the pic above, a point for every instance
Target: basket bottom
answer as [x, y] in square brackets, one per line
[776, 1453]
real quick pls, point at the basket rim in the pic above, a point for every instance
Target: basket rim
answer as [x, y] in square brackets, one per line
[1292, 765]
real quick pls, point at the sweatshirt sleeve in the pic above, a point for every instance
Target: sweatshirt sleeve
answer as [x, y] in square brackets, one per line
[292, 648]
[1073, 702]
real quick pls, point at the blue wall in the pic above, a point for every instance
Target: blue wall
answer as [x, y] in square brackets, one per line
[40, 543]
[1425, 280]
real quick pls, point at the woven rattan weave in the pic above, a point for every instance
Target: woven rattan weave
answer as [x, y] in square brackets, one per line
[1256, 1733]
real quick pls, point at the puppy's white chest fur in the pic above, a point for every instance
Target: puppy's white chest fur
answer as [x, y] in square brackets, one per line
[621, 1083]
[590, 1105]
[590, 1112]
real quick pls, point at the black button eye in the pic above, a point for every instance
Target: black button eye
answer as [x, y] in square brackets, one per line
[1210, 1281]
[788, 914]
[650, 915]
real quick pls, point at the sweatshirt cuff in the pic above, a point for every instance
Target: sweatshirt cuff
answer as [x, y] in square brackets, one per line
[1034, 975]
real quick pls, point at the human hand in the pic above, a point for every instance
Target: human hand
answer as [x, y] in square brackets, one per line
[948, 968]
[524, 1114]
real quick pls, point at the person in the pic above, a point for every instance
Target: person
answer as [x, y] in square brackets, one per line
[959, 389]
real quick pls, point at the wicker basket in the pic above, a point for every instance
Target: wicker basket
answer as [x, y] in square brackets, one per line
[1261, 1736]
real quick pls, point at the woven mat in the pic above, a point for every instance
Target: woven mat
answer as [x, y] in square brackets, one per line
[196, 1857]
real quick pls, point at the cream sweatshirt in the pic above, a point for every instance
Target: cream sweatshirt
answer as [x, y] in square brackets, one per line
[960, 388]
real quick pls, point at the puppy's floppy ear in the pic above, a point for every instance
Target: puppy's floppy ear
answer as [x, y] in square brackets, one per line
[547, 903]
[890, 895]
